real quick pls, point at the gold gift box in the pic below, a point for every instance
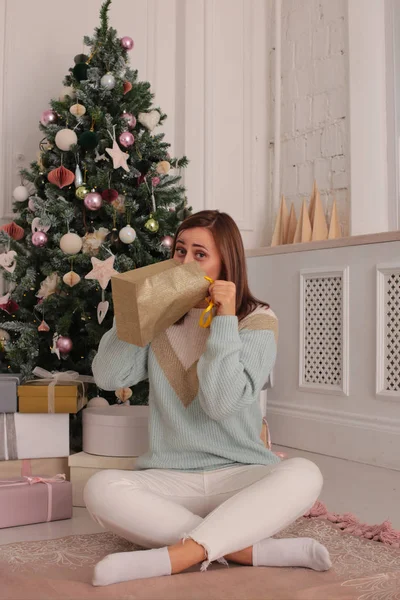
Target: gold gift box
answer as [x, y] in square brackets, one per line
[69, 397]
[34, 466]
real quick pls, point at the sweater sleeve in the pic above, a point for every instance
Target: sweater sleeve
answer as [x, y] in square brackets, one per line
[119, 364]
[236, 364]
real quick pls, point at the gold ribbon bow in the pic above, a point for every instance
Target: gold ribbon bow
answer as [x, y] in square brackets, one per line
[207, 316]
[55, 377]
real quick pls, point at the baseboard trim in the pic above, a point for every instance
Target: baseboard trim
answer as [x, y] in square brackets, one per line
[360, 438]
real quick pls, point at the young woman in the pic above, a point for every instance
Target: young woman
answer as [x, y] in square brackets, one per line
[207, 489]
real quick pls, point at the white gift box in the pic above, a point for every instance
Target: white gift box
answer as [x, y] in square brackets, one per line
[83, 466]
[25, 435]
[8, 392]
[116, 430]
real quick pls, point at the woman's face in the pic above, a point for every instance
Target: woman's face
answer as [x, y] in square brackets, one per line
[198, 244]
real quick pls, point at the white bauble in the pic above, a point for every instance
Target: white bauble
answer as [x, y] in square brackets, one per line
[20, 194]
[71, 243]
[96, 402]
[67, 91]
[127, 235]
[108, 81]
[66, 138]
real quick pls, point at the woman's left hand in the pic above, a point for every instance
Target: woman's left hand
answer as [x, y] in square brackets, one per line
[223, 294]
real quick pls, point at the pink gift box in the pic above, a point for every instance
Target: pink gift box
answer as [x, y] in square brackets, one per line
[29, 500]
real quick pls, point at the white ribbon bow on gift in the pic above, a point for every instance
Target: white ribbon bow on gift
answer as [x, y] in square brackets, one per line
[55, 377]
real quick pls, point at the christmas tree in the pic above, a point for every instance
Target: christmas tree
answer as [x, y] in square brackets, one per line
[104, 195]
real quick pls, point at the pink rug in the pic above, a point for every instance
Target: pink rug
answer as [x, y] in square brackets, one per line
[350, 524]
[62, 568]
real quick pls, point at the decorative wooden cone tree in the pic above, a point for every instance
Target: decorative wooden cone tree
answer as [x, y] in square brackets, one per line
[334, 227]
[319, 226]
[292, 225]
[311, 209]
[303, 229]
[281, 226]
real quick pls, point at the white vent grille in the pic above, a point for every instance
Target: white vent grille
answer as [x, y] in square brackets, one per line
[392, 331]
[323, 361]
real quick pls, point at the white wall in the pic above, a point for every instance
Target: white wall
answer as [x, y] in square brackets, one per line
[338, 110]
[337, 377]
[207, 61]
[368, 117]
[210, 63]
[392, 29]
[315, 103]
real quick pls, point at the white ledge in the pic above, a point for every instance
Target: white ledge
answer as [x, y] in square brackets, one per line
[358, 240]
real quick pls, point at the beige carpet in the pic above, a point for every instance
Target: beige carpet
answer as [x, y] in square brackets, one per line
[61, 569]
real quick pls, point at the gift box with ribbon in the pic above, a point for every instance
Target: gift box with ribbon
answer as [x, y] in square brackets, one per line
[10, 469]
[54, 392]
[28, 500]
[8, 392]
[149, 300]
[33, 436]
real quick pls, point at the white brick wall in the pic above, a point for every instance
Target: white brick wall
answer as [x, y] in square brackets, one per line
[314, 102]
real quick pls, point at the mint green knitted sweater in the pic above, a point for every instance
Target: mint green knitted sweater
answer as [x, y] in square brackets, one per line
[204, 389]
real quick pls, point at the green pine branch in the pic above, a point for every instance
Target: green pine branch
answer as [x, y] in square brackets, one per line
[73, 311]
[104, 19]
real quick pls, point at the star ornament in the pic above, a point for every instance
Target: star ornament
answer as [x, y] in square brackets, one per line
[102, 270]
[119, 158]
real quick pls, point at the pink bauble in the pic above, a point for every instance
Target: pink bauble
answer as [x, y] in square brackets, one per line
[130, 119]
[93, 201]
[31, 205]
[64, 344]
[155, 181]
[39, 239]
[126, 139]
[167, 242]
[127, 42]
[48, 117]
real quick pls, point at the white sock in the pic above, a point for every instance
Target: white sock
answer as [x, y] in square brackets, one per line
[125, 566]
[291, 552]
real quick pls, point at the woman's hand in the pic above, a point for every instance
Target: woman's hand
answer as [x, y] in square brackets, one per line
[223, 294]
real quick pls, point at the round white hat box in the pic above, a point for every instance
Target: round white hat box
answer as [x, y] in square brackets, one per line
[116, 430]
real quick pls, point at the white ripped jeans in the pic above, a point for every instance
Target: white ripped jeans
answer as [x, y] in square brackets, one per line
[225, 510]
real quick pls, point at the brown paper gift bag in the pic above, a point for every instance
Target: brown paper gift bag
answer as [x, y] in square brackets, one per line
[149, 300]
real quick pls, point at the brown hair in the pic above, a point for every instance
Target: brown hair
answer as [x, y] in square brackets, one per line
[229, 242]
